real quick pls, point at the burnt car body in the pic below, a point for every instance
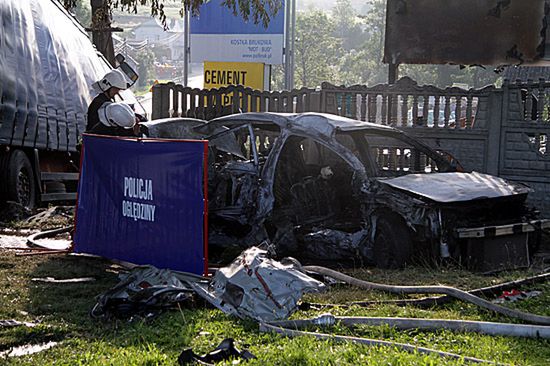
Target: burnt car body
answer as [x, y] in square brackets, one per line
[322, 186]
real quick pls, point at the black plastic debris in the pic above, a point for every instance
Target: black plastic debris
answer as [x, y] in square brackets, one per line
[225, 351]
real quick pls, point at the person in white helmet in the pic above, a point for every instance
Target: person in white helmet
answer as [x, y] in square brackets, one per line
[117, 115]
[109, 86]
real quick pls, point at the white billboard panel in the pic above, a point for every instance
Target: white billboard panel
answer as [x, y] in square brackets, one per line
[264, 48]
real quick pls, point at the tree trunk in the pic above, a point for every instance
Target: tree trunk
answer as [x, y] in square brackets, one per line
[101, 30]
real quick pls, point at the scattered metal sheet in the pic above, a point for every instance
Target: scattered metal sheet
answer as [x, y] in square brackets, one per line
[464, 32]
[10, 323]
[145, 291]
[255, 286]
[68, 280]
[457, 187]
[515, 295]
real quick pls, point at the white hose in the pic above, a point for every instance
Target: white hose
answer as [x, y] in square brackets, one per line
[370, 342]
[489, 328]
[32, 239]
[451, 291]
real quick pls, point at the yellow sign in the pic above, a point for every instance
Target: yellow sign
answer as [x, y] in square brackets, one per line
[218, 74]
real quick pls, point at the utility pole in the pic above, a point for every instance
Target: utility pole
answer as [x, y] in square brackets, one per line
[293, 34]
[290, 25]
[393, 73]
[187, 49]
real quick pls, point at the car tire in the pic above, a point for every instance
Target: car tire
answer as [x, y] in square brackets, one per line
[392, 242]
[20, 178]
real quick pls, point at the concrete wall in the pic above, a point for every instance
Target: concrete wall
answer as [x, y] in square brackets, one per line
[524, 153]
[469, 147]
[504, 141]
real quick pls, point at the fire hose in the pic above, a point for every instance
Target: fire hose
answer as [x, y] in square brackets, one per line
[451, 291]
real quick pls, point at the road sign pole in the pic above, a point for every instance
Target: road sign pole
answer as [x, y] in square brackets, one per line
[287, 44]
[186, 47]
[293, 37]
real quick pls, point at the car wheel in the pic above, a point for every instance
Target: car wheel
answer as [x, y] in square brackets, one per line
[392, 242]
[21, 183]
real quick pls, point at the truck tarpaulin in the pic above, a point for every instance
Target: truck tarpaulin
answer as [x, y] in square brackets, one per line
[466, 32]
[143, 201]
[47, 67]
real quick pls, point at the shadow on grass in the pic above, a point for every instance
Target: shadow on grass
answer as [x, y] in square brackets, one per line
[66, 308]
[68, 303]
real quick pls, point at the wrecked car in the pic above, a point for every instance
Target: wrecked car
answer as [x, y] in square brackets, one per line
[321, 186]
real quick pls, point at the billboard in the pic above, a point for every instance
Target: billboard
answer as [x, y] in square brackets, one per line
[218, 35]
[465, 32]
[143, 201]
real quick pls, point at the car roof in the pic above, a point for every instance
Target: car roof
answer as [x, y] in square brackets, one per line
[323, 123]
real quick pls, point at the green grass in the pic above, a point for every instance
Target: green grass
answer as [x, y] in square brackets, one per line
[62, 310]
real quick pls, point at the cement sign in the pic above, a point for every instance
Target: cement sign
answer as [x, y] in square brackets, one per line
[218, 74]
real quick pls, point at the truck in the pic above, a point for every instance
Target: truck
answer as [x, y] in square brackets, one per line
[47, 67]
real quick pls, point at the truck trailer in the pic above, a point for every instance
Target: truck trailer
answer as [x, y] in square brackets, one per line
[47, 67]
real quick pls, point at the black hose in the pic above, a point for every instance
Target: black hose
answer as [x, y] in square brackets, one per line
[451, 291]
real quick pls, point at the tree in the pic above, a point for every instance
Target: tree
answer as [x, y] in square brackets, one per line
[259, 11]
[346, 26]
[373, 46]
[145, 59]
[316, 50]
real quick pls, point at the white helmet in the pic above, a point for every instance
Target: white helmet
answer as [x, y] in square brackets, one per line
[117, 114]
[114, 78]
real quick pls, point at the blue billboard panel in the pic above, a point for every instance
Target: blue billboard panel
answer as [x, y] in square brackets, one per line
[219, 35]
[215, 18]
[143, 201]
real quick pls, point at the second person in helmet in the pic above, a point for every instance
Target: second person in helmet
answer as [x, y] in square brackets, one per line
[105, 117]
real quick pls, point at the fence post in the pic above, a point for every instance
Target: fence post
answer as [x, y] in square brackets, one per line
[314, 103]
[495, 115]
[161, 101]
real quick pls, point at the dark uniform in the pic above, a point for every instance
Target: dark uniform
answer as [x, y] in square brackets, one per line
[95, 126]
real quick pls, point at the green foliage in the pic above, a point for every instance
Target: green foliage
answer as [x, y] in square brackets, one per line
[259, 11]
[62, 310]
[346, 25]
[316, 50]
[145, 59]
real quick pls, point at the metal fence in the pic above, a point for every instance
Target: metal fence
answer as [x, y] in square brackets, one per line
[404, 104]
[173, 100]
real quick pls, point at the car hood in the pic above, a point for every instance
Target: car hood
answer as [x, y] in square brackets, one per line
[456, 187]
